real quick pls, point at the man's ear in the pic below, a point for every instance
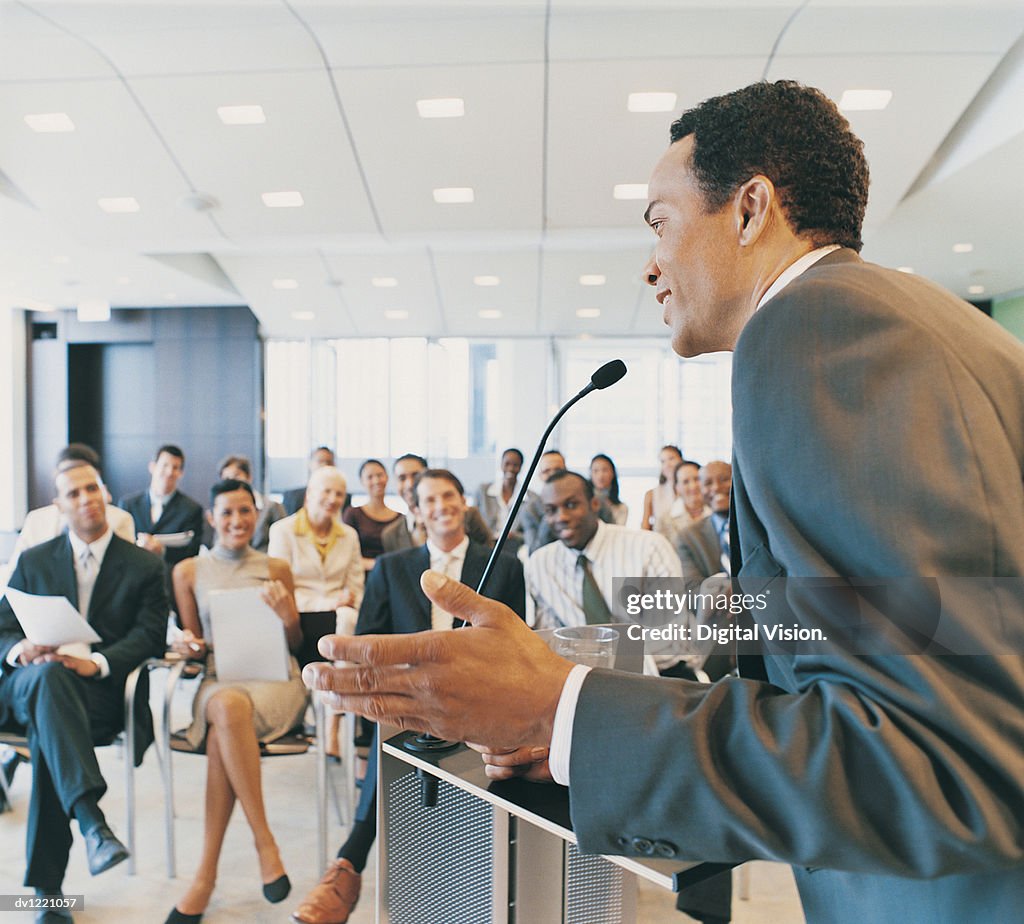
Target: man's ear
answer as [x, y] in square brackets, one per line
[595, 503]
[753, 205]
[151, 466]
[209, 518]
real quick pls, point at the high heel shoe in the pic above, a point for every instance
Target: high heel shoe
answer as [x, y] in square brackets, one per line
[277, 891]
[179, 917]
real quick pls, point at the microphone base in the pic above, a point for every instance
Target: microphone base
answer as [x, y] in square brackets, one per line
[428, 744]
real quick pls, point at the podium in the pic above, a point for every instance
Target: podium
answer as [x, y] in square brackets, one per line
[494, 852]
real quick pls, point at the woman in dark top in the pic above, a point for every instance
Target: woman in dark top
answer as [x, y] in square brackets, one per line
[370, 519]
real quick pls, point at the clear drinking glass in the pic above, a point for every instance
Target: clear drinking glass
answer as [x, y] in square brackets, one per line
[591, 645]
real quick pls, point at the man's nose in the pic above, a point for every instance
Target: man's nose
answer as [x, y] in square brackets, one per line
[651, 271]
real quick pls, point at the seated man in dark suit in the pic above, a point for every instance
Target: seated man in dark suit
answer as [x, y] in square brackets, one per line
[408, 532]
[394, 603]
[162, 509]
[69, 704]
[294, 498]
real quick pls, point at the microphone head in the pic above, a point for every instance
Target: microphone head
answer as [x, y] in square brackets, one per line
[608, 374]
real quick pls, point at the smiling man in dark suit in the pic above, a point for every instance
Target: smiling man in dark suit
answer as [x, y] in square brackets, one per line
[394, 604]
[69, 704]
[163, 509]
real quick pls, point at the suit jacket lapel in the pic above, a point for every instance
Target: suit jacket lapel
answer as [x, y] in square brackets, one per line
[65, 579]
[416, 565]
[107, 580]
[473, 566]
[168, 508]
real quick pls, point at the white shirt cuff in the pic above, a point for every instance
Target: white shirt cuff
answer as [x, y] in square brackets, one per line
[101, 662]
[565, 715]
[14, 654]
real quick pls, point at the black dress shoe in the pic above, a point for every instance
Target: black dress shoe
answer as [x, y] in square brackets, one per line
[277, 891]
[104, 850]
[179, 917]
[53, 916]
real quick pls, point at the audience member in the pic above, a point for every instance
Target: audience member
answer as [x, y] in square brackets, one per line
[231, 718]
[394, 603]
[659, 499]
[68, 703]
[294, 498]
[371, 518]
[408, 532]
[688, 507]
[536, 529]
[495, 498]
[268, 511]
[703, 547]
[605, 480]
[163, 510]
[47, 522]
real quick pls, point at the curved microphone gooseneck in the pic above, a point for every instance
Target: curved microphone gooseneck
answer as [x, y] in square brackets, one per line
[607, 375]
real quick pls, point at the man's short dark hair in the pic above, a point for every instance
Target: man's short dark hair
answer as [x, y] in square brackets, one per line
[326, 449]
[795, 136]
[514, 452]
[436, 473]
[552, 452]
[226, 486]
[588, 488]
[171, 450]
[80, 452]
[241, 462]
[413, 457]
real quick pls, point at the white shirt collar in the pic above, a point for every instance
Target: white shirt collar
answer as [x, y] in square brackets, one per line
[98, 547]
[793, 270]
[593, 548]
[458, 553]
[162, 500]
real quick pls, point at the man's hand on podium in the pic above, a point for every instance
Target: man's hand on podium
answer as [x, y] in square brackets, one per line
[493, 682]
[528, 762]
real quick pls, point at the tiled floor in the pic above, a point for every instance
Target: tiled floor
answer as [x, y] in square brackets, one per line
[289, 787]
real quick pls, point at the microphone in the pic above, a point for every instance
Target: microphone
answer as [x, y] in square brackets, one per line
[607, 375]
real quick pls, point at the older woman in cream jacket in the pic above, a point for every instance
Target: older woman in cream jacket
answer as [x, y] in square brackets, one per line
[322, 551]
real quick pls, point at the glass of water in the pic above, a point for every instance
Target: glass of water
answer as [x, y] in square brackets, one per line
[591, 645]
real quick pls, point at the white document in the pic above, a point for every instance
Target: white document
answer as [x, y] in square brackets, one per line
[248, 637]
[174, 540]
[52, 621]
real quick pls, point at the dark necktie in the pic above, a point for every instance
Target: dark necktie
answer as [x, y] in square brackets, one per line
[595, 609]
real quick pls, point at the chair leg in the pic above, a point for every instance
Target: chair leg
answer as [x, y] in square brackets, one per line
[173, 676]
[130, 686]
[321, 781]
[348, 765]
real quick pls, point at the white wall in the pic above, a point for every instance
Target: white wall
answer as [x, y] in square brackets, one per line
[13, 440]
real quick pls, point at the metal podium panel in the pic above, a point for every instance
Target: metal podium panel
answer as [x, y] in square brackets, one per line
[444, 863]
[596, 890]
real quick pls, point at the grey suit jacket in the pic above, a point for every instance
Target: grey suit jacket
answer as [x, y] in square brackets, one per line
[699, 551]
[878, 433]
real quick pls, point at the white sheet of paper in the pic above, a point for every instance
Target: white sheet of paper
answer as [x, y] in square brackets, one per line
[50, 620]
[248, 637]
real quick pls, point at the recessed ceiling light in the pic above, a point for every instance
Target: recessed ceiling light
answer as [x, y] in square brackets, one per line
[384, 282]
[862, 100]
[93, 309]
[487, 280]
[450, 108]
[489, 314]
[976, 290]
[588, 312]
[651, 102]
[905, 269]
[304, 315]
[630, 191]
[285, 199]
[594, 279]
[963, 248]
[60, 258]
[170, 296]
[242, 115]
[449, 195]
[50, 122]
[285, 283]
[117, 204]
[396, 314]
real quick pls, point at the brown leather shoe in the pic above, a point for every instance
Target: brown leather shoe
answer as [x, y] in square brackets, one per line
[332, 901]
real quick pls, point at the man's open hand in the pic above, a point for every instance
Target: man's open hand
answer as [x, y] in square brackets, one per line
[493, 682]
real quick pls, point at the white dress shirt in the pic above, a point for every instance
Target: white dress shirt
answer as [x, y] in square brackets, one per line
[561, 737]
[449, 564]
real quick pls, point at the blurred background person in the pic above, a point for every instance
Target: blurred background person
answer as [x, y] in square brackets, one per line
[232, 718]
[688, 507]
[370, 520]
[605, 480]
[659, 499]
[294, 498]
[495, 498]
